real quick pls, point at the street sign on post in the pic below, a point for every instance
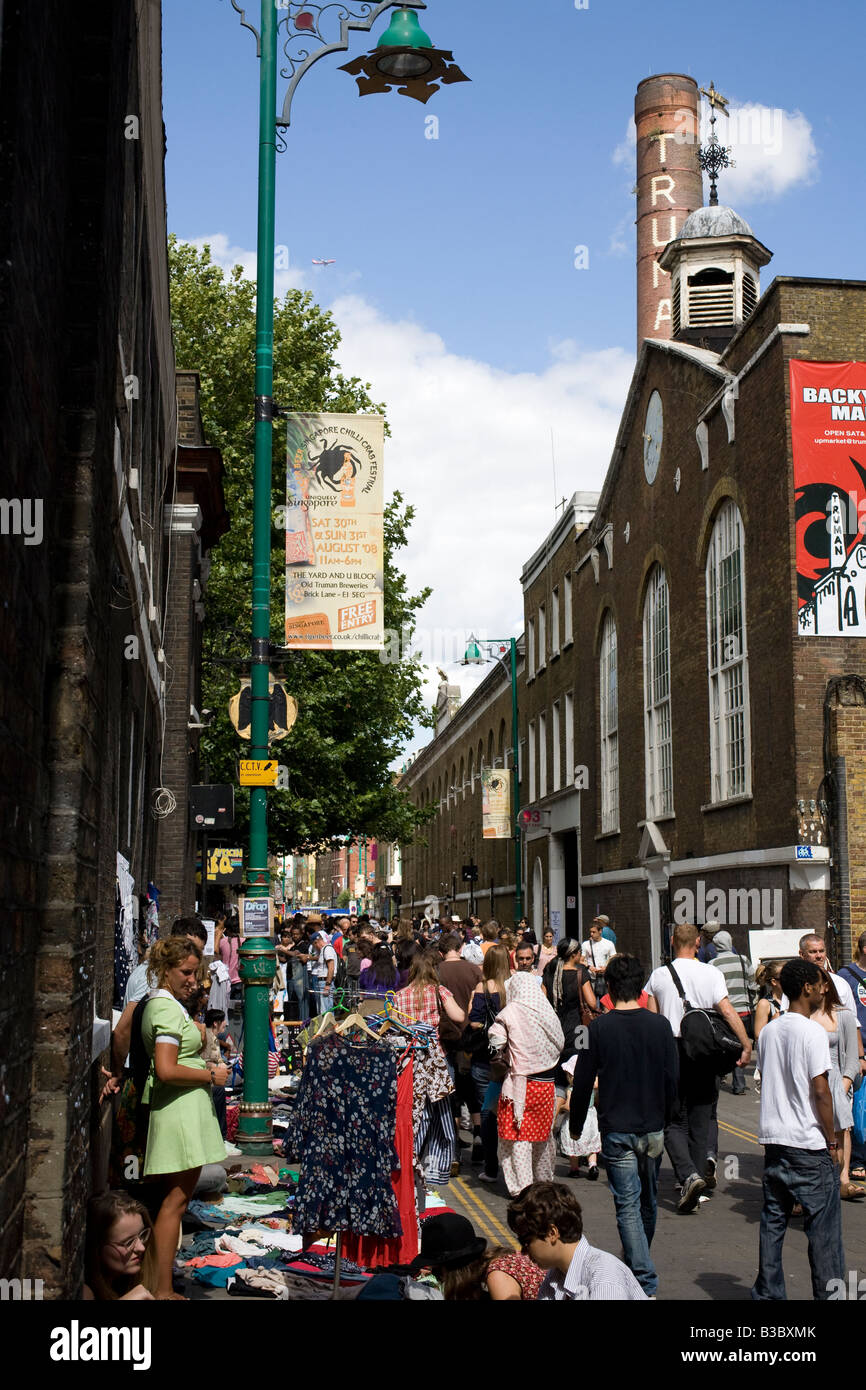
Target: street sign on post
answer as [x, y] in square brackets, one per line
[283, 710]
[257, 772]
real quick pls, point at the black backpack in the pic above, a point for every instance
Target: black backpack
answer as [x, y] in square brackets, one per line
[706, 1037]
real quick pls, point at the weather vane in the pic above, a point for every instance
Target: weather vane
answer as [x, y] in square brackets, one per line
[713, 157]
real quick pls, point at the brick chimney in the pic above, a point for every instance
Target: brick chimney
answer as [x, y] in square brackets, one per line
[669, 187]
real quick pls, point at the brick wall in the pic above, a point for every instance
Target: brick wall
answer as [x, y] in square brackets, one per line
[73, 279]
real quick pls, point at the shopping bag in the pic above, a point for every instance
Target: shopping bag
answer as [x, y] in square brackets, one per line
[860, 1114]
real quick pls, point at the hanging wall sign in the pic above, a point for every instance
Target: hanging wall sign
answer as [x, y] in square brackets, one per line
[496, 804]
[828, 440]
[334, 533]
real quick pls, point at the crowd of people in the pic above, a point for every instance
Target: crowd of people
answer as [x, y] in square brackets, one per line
[543, 1041]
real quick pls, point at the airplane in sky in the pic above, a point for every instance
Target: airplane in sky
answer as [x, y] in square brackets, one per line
[315, 262]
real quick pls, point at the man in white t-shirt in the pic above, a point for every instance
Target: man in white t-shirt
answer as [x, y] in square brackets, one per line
[687, 1135]
[597, 951]
[322, 968]
[797, 1130]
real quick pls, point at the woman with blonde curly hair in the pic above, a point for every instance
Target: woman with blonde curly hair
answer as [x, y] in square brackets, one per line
[183, 1132]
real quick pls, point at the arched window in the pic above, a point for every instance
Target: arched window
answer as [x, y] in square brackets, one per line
[727, 658]
[609, 725]
[501, 745]
[490, 753]
[462, 782]
[471, 770]
[657, 697]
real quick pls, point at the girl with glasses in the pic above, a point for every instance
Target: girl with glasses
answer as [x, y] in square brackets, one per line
[119, 1252]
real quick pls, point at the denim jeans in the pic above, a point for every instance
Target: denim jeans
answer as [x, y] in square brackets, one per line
[323, 996]
[296, 990]
[808, 1176]
[632, 1162]
[489, 1130]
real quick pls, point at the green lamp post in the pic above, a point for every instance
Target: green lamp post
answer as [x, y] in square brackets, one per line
[408, 57]
[473, 656]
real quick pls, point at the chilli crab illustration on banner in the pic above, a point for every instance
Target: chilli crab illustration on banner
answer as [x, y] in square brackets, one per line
[334, 533]
[828, 442]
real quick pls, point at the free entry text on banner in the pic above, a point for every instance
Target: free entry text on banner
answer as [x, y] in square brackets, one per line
[334, 533]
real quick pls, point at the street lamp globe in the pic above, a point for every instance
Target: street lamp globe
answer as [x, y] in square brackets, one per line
[472, 656]
[404, 35]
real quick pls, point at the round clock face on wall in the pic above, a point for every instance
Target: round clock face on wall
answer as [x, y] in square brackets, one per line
[653, 432]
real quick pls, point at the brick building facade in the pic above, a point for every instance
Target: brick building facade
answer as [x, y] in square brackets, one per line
[688, 752]
[88, 420]
[447, 775]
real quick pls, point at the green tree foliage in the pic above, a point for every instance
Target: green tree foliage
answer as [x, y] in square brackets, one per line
[355, 714]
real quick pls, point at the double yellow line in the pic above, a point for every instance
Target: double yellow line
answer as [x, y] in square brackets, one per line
[489, 1225]
[740, 1133]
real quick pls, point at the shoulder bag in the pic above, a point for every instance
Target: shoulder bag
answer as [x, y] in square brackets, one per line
[597, 981]
[706, 1037]
[477, 1040]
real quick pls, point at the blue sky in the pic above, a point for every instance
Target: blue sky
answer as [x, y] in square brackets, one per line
[454, 283]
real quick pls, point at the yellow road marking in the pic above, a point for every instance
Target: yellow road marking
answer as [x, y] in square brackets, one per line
[505, 1237]
[461, 1201]
[740, 1133]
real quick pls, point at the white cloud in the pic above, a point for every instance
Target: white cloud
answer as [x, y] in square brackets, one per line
[624, 151]
[287, 276]
[773, 149]
[470, 448]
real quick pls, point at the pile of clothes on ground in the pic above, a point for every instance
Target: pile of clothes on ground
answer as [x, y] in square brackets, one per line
[243, 1242]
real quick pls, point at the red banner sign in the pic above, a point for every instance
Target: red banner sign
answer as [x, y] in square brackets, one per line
[828, 439]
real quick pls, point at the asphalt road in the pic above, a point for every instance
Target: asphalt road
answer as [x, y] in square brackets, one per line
[711, 1254]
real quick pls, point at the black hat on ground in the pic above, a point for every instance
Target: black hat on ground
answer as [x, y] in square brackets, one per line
[448, 1242]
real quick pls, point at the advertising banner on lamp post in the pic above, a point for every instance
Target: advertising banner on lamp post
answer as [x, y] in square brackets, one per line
[828, 443]
[496, 804]
[334, 533]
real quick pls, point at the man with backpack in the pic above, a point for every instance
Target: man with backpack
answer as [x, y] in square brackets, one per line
[686, 981]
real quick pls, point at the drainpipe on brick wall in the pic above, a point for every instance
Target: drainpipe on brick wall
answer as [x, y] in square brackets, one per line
[840, 855]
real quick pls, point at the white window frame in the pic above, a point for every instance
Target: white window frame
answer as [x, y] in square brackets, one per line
[609, 727]
[542, 637]
[554, 622]
[542, 756]
[555, 736]
[530, 735]
[727, 658]
[568, 621]
[658, 734]
[530, 649]
[569, 738]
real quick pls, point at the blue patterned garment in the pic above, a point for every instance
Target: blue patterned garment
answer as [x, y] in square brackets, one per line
[343, 1128]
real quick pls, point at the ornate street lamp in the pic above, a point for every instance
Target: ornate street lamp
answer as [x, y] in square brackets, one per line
[405, 55]
[495, 649]
[408, 54]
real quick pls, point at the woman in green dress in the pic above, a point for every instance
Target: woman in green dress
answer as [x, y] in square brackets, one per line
[183, 1133]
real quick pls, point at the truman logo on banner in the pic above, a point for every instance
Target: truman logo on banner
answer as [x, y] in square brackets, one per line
[496, 804]
[334, 533]
[828, 440]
